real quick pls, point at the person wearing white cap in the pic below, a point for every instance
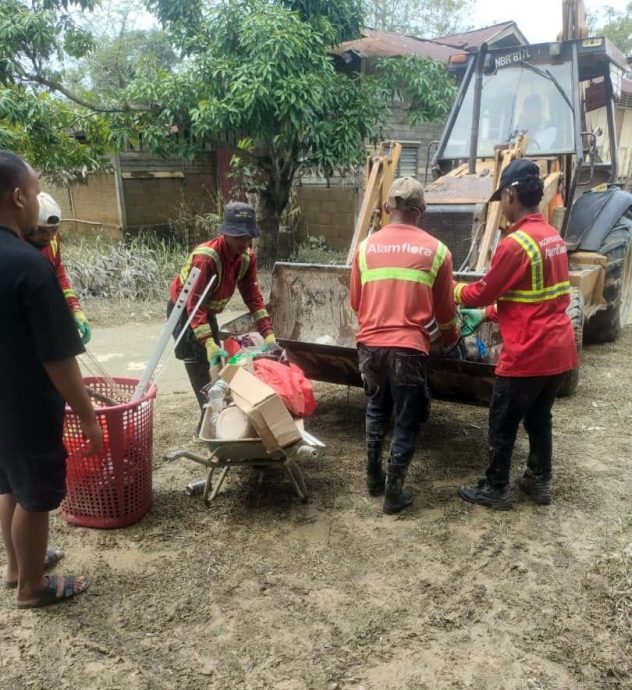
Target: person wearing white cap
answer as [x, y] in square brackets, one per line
[46, 238]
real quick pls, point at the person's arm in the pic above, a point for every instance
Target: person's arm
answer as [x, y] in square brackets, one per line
[57, 342]
[444, 304]
[355, 285]
[66, 377]
[69, 294]
[62, 276]
[250, 292]
[509, 265]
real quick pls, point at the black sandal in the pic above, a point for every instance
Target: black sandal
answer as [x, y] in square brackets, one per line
[49, 595]
[52, 558]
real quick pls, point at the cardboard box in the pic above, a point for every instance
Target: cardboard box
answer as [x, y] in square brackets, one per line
[264, 408]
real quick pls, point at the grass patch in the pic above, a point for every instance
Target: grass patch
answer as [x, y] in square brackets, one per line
[139, 269]
[315, 250]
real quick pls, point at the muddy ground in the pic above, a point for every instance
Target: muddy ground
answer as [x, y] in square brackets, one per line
[261, 591]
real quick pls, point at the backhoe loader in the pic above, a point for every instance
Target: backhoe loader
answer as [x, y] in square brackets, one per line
[512, 102]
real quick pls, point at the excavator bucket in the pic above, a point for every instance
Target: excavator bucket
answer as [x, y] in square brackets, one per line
[314, 322]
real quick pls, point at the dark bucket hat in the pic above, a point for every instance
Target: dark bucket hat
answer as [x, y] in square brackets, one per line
[240, 220]
[516, 172]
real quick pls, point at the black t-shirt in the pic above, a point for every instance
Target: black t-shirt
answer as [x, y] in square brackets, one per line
[36, 326]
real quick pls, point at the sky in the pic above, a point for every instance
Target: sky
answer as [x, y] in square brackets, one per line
[539, 20]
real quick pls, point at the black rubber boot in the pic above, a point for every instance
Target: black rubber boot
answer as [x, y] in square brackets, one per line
[484, 494]
[199, 377]
[536, 487]
[396, 498]
[375, 476]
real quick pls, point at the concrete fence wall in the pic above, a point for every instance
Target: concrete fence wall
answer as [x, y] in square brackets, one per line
[328, 212]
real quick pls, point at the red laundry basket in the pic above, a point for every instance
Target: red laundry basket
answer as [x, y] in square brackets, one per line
[113, 488]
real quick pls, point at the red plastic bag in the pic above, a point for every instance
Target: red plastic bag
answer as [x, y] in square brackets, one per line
[290, 383]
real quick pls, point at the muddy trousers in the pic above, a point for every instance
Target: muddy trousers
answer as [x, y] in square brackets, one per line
[514, 400]
[395, 386]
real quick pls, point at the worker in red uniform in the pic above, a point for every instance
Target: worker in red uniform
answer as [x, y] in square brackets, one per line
[528, 290]
[231, 260]
[45, 237]
[401, 291]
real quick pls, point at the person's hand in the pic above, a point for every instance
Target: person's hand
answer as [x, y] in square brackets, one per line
[84, 327]
[472, 320]
[454, 350]
[92, 431]
[271, 345]
[214, 352]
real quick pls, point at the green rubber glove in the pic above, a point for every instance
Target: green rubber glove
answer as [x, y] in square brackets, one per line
[472, 320]
[84, 327]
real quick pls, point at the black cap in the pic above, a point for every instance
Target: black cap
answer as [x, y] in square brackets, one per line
[239, 220]
[516, 172]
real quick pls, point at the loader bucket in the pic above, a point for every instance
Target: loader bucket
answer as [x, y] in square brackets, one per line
[314, 322]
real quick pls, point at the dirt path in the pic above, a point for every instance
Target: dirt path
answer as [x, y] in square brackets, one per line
[261, 591]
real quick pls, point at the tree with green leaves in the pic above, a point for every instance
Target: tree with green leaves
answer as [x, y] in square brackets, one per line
[34, 120]
[258, 77]
[258, 72]
[616, 26]
[424, 18]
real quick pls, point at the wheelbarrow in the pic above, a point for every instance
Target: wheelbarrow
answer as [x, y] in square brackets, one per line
[247, 452]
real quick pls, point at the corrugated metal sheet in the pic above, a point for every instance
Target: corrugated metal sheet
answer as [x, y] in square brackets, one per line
[471, 40]
[386, 44]
[376, 43]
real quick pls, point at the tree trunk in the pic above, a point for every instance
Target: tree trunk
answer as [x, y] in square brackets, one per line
[273, 200]
[270, 217]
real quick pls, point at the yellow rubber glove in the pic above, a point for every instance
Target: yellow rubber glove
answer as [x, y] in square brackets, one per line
[84, 327]
[270, 339]
[214, 352]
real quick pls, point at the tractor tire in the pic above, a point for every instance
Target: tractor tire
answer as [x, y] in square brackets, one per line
[575, 311]
[606, 325]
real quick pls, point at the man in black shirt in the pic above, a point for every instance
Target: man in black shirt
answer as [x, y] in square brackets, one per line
[38, 371]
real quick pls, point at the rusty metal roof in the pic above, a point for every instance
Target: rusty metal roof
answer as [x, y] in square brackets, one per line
[387, 44]
[471, 40]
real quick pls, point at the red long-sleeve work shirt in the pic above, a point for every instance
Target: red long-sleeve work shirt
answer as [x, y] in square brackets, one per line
[529, 283]
[214, 259]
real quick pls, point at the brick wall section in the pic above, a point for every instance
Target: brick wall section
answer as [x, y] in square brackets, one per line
[329, 212]
[156, 201]
[94, 201]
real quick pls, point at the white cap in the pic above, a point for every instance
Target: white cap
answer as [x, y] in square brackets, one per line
[49, 211]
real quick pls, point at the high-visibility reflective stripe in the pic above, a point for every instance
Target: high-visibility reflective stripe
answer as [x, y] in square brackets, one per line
[437, 262]
[260, 314]
[68, 293]
[535, 258]
[531, 296]
[458, 289]
[217, 305]
[54, 246]
[450, 324]
[206, 251]
[414, 275]
[245, 265]
[409, 274]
